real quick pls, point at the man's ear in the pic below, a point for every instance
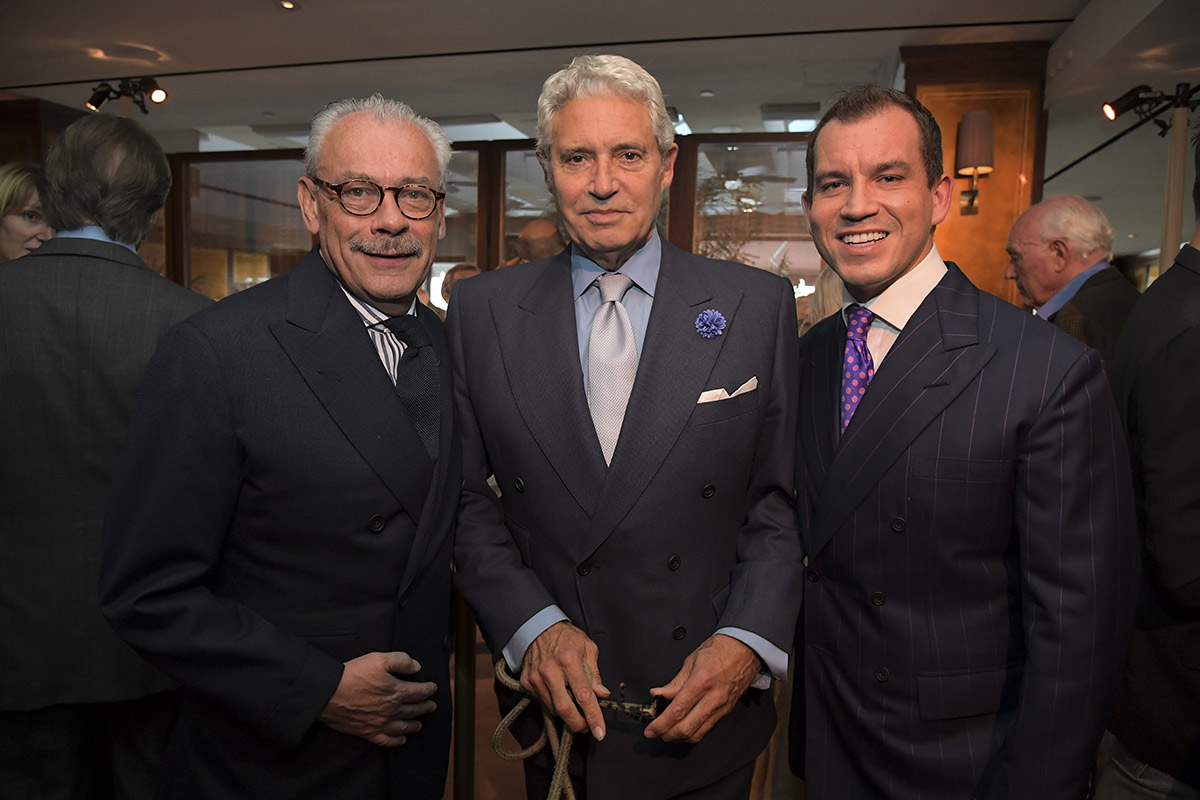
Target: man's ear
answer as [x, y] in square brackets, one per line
[308, 204]
[1061, 254]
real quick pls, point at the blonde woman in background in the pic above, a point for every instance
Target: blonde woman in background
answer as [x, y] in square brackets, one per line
[825, 301]
[23, 227]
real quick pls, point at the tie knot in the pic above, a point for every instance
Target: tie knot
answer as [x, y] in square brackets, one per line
[613, 286]
[408, 329]
[858, 320]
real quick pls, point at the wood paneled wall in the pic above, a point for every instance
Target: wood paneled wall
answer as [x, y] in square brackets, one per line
[1007, 79]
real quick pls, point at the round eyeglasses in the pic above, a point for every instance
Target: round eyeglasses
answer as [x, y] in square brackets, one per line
[362, 198]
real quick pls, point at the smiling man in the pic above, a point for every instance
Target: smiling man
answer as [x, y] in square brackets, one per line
[636, 405]
[278, 533]
[965, 502]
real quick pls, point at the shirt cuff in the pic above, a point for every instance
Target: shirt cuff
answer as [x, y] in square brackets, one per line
[775, 659]
[514, 651]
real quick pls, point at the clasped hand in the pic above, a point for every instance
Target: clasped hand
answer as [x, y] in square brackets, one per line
[372, 703]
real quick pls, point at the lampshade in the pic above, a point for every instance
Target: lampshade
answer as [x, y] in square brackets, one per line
[973, 155]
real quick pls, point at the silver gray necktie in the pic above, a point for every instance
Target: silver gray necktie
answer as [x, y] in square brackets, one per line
[612, 361]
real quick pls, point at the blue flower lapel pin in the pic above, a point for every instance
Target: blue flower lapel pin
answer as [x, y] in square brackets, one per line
[710, 323]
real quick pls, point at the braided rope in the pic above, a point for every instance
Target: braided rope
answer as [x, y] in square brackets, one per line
[558, 738]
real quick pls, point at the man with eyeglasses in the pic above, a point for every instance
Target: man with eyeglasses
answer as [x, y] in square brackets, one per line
[278, 530]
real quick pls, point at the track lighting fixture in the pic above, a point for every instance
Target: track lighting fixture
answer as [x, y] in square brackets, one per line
[1137, 96]
[136, 89]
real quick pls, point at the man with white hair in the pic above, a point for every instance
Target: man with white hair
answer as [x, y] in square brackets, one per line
[1059, 252]
[637, 407]
[278, 532]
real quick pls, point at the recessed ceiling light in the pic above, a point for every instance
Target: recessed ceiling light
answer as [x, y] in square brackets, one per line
[707, 93]
[1130, 235]
[289, 5]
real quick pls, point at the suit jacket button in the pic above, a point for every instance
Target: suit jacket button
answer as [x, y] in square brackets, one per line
[813, 575]
[882, 675]
[519, 485]
[673, 563]
[899, 525]
[708, 491]
[679, 633]
[584, 568]
[878, 598]
[375, 525]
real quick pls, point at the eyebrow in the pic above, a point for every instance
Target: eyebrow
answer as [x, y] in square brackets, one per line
[895, 165]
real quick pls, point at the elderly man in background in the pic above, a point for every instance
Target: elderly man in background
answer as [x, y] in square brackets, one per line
[539, 238]
[81, 714]
[1058, 252]
[278, 534]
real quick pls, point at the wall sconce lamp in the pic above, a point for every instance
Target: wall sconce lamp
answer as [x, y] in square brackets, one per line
[136, 89]
[973, 156]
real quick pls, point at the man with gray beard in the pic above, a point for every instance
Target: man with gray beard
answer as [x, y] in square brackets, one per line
[278, 532]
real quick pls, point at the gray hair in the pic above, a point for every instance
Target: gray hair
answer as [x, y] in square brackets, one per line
[107, 171]
[1077, 222]
[591, 76]
[384, 110]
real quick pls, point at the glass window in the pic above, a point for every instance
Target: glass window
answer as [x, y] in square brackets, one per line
[748, 207]
[462, 219]
[243, 223]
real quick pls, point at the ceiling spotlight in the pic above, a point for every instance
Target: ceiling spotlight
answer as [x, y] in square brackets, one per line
[100, 95]
[156, 93]
[1137, 96]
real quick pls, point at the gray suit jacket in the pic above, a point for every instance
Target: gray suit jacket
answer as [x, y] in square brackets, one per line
[690, 529]
[79, 320]
[971, 559]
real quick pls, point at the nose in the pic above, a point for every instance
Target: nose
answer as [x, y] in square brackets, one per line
[45, 233]
[1010, 272]
[604, 179]
[388, 218]
[860, 201]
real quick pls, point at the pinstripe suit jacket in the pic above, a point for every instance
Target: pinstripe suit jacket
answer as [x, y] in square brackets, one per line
[971, 561]
[79, 321]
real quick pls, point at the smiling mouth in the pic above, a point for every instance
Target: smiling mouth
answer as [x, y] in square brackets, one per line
[869, 237]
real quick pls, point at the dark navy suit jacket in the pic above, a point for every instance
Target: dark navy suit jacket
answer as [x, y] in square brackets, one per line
[971, 559]
[274, 515]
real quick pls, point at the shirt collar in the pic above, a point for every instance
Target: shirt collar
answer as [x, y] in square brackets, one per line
[642, 267]
[96, 233]
[896, 304]
[369, 314]
[1064, 295]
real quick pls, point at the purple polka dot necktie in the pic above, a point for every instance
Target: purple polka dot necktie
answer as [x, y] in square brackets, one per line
[857, 367]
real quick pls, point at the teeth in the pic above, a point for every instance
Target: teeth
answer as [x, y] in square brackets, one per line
[863, 238]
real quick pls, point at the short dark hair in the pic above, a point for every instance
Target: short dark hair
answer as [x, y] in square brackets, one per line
[108, 171]
[866, 100]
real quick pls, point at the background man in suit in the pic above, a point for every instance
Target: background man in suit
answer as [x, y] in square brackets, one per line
[82, 715]
[278, 535]
[538, 239]
[646, 529]
[968, 518]
[1058, 254]
[1156, 714]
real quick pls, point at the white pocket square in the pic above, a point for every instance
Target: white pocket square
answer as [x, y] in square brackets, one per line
[713, 395]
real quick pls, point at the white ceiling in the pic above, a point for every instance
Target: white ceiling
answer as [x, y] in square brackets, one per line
[254, 73]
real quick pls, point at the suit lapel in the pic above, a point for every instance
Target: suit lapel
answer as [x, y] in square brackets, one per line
[820, 386]
[326, 340]
[539, 347]
[935, 358]
[673, 370]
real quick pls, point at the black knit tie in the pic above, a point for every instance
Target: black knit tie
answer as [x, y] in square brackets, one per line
[417, 380]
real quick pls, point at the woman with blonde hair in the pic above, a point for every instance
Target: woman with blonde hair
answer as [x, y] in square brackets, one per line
[23, 227]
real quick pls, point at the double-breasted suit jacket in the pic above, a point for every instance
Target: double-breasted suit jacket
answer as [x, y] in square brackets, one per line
[275, 515]
[971, 561]
[690, 529]
[79, 321]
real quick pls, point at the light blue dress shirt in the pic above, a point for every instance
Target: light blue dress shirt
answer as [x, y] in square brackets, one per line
[1064, 295]
[96, 233]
